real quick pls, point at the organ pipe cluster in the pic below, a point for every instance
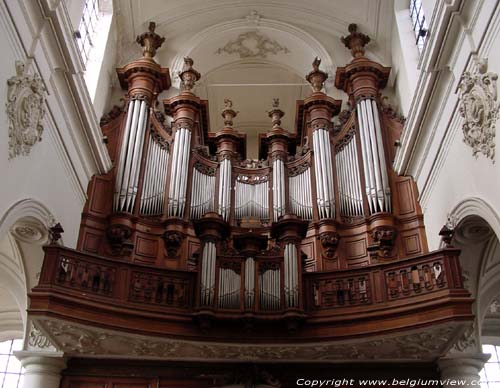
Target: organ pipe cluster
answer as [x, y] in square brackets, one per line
[179, 173]
[127, 178]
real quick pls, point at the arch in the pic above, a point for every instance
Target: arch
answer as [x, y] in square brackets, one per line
[225, 28]
[476, 206]
[23, 209]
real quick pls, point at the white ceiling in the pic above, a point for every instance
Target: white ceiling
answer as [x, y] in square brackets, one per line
[291, 32]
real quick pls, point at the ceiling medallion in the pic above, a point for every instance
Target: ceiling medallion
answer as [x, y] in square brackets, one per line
[29, 232]
[25, 109]
[253, 44]
[479, 108]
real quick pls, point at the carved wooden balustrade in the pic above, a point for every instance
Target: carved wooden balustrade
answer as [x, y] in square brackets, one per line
[76, 285]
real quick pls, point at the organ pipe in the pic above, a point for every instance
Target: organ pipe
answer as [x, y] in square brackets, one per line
[269, 289]
[208, 274]
[324, 175]
[225, 189]
[155, 176]
[374, 165]
[349, 186]
[127, 178]
[249, 282]
[300, 194]
[291, 276]
[179, 173]
[251, 199]
[229, 288]
[278, 188]
[202, 193]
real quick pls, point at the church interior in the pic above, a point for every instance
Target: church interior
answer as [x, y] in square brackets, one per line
[249, 193]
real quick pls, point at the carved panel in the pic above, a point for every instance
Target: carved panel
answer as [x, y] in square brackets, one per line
[25, 110]
[99, 198]
[159, 290]
[412, 244]
[406, 197]
[479, 108]
[91, 242]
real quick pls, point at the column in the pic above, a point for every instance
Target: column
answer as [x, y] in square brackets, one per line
[462, 370]
[41, 371]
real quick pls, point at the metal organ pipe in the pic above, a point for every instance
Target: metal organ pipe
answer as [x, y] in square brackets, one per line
[128, 168]
[351, 200]
[179, 173]
[155, 176]
[249, 282]
[251, 199]
[377, 181]
[324, 176]
[225, 189]
[202, 193]
[278, 188]
[291, 275]
[208, 274]
[300, 194]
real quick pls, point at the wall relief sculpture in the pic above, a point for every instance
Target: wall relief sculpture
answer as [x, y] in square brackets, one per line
[479, 108]
[25, 110]
[253, 44]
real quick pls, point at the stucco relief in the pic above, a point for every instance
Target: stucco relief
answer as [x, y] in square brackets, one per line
[25, 110]
[37, 341]
[253, 44]
[75, 339]
[479, 108]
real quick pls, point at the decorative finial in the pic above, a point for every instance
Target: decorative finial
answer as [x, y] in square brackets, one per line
[316, 77]
[448, 230]
[55, 233]
[355, 41]
[150, 41]
[188, 75]
[228, 113]
[276, 113]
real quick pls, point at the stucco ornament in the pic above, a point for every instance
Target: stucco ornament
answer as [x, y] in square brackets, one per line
[25, 110]
[253, 44]
[479, 108]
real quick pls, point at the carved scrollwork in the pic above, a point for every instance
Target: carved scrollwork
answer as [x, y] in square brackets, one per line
[38, 341]
[296, 170]
[115, 112]
[204, 169]
[345, 140]
[479, 108]
[342, 119]
[252, 179]
[252, 163]
[269, 266]
[25, 110]
[160, 140]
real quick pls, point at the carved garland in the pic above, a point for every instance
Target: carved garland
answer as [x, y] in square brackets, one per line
[25, 110]
[479, 108]
[252, 179]
[297, 170]
[345, 140]
[206, 170]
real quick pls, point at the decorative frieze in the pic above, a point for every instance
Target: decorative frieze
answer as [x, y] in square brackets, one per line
[25, 110]
[253, 44]
[479, 108]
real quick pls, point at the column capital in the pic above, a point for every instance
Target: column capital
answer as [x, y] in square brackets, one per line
[46, 363]
[462, 367]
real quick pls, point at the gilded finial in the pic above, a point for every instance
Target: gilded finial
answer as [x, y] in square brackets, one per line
[150, 41]
[188, 75]
[355, 41]
[228, 113]
[316, 77]
[276, 113]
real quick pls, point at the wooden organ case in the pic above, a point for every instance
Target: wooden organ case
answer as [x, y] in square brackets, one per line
[198, 242]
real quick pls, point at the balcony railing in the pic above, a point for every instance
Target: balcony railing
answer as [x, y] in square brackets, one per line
[425, 288]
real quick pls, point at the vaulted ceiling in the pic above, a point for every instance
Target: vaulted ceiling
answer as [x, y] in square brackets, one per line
[254, 51]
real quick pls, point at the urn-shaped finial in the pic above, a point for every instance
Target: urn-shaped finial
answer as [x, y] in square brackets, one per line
[228, 113]
[276, 113]
[316, 77]
[355, 41]
[188, 75]
[150, 41]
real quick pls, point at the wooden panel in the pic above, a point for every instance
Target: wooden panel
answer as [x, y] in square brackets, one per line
[132, 385]
[91, 242]
[146, 247]
[406, 197]
[355, 249]
[85, 382]
[412, 244]
[100, 200]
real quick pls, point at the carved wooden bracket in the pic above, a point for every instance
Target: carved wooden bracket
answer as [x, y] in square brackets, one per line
[118, 238]
[173, 242]
[329, 242]
[384, 239]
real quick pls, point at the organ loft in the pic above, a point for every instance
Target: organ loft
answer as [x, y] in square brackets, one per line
[188, 250]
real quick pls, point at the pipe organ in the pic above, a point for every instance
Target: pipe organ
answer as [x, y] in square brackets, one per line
[155, 175]
[322, 197]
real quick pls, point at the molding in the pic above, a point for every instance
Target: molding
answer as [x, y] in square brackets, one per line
[85, 341]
